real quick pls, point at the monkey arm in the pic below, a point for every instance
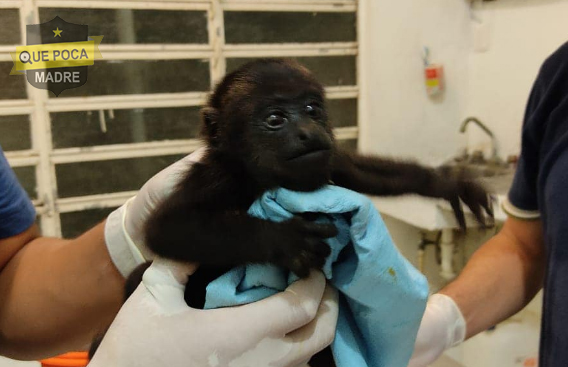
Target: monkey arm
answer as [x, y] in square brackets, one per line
[382, 177]
[205, 220]
[385, 177]
[230, 238]
[211, 238]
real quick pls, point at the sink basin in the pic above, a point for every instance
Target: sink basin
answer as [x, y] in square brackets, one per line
[433, 214]
[485, 170]
[496, 178]
[477, 170]
[498, 185]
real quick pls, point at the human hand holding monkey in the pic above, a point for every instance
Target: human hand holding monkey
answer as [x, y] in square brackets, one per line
[124, 226]
[155, 327]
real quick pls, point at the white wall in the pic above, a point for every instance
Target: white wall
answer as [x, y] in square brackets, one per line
[399, 119]
[522, 33]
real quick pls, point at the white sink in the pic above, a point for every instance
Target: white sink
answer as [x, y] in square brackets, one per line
[433, 214]
[437, 215]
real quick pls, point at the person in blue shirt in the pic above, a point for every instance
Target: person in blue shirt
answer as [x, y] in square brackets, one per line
[56, 294]
[531, 250]
[16, 210]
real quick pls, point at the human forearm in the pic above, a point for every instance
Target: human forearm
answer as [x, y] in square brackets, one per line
[56, 294]
[501, 277]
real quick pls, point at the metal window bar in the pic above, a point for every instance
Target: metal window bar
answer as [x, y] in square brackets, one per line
[41, 140]
[227, 5]
[131, 150]
[10, 4]
[177, 52]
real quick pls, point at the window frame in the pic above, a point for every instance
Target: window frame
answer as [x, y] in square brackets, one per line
[38, 104]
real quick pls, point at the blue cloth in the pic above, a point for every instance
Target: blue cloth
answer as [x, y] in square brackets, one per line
[540, 186]
[17, 212]
[382, 297]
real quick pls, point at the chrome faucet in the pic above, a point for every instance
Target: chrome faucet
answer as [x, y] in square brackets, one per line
[463, 127]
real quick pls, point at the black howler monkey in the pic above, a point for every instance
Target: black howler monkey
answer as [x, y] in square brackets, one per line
[266, 126]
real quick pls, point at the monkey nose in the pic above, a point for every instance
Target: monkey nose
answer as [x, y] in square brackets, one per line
[307, 133]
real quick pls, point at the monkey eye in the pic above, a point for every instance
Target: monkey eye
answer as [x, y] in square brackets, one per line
[313, 110]
[276, 120]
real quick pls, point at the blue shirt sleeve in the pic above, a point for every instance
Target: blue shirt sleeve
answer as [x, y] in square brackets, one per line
[17, 212]
[522, 199]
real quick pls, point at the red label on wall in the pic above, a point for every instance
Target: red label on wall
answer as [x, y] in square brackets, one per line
[431, 73]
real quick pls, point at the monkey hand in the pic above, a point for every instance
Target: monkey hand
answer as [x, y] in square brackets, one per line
[300, 245]
[124, 235]
[155, 327]
[459, 186]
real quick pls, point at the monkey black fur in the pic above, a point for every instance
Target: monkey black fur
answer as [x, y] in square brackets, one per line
[266, 126]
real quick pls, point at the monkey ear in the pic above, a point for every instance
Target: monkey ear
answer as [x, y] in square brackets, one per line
[210, 117]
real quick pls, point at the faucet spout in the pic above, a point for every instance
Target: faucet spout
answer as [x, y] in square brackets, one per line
[478, 123]
[485, 129]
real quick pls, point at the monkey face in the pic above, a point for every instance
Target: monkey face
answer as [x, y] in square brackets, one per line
[292, 141]
[272, 117]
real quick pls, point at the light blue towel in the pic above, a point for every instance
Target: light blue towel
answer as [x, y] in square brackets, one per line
[382, 297]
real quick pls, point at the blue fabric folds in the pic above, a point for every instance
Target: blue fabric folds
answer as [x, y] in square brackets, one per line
[382, 296]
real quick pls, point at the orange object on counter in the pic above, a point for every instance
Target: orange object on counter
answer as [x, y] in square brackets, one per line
[71, 359]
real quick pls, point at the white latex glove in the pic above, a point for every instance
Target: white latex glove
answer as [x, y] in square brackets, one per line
[442, 327]
[156, 328]
[124, 226]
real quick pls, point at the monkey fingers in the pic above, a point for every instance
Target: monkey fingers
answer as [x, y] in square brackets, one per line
[477, 199]
[302, 245]
[458, 212]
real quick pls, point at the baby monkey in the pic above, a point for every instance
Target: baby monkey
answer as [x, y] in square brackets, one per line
[266, 126]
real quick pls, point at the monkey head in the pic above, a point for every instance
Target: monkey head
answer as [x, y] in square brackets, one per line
[269, 116]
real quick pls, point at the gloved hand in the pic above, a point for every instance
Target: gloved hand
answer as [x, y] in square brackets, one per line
[442, 327]
[124, 226]
[156, 328]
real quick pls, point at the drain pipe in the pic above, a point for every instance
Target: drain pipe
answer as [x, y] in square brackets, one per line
[422, 248]
[447, 248]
